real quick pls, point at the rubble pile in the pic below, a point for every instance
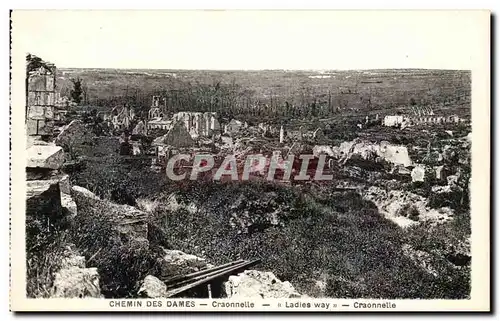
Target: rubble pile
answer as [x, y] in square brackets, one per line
[152, 287]
[252, 284]
[394, 154]
[184, 261]
[72, 134]
[74, 280]
[405, 208]
[47, 187]
[128, 220]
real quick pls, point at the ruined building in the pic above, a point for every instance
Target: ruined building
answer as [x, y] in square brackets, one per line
[404, 121]
[121, 117]
[199, 124]
[158, 107]
[156, 115]
[40, 94]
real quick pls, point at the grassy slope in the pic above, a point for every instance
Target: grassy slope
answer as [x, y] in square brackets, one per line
[341, 240]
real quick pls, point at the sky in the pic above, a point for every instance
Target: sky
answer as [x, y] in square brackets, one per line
[221, 40]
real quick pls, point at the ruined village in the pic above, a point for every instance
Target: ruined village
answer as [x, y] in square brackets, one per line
[104, 221]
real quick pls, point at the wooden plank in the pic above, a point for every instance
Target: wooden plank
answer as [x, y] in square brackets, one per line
[211, 277]
[206, 271]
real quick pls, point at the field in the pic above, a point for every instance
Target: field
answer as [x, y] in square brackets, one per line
[276, 93]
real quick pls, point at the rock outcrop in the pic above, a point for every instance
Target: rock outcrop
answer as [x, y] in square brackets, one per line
[77, 282]
[43, 197]
[74, 280]
[127, 219]
[252, 284]
[418, 174]
[45, 157]
[405, 208]
[176, 262]
[73, 134]
[152, 287]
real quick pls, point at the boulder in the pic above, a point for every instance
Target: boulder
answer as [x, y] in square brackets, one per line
[35, 140]
[45, 156]
[69, 204]
[439, 172]
[43, 197]
[176, 262]
[395, 154]
[73, 134]
[72, 261]
[128, 219]
[418, 174]
[76, 282]
[64, 184]
[152, 287]
[180, 258]
[252, 284]
[83, 195]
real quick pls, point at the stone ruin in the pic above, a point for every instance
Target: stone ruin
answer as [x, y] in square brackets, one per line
[40, 95]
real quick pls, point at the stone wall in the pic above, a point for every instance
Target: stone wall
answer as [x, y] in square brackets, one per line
[40, 100]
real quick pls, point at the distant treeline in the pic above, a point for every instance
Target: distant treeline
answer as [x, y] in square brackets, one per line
[305, 102]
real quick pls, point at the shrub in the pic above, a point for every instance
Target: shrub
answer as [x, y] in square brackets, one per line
[121, 261]
[45, 239]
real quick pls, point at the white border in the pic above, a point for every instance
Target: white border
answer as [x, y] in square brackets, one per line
[259, 4]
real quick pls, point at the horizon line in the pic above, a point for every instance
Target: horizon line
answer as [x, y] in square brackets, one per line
[266, 69]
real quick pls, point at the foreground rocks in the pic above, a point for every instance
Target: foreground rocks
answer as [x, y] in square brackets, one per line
[176, 262]
[42, 197]
[73, 134]
[180, 258]
[152, 287]
[45, 157]
[418, 174]
[127, 219]
[252, 284]
[405, 208]
[74, 280]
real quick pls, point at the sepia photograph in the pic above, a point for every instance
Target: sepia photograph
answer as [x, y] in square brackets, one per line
[322, 159]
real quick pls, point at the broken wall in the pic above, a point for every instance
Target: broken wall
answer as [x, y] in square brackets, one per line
[40, 101]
